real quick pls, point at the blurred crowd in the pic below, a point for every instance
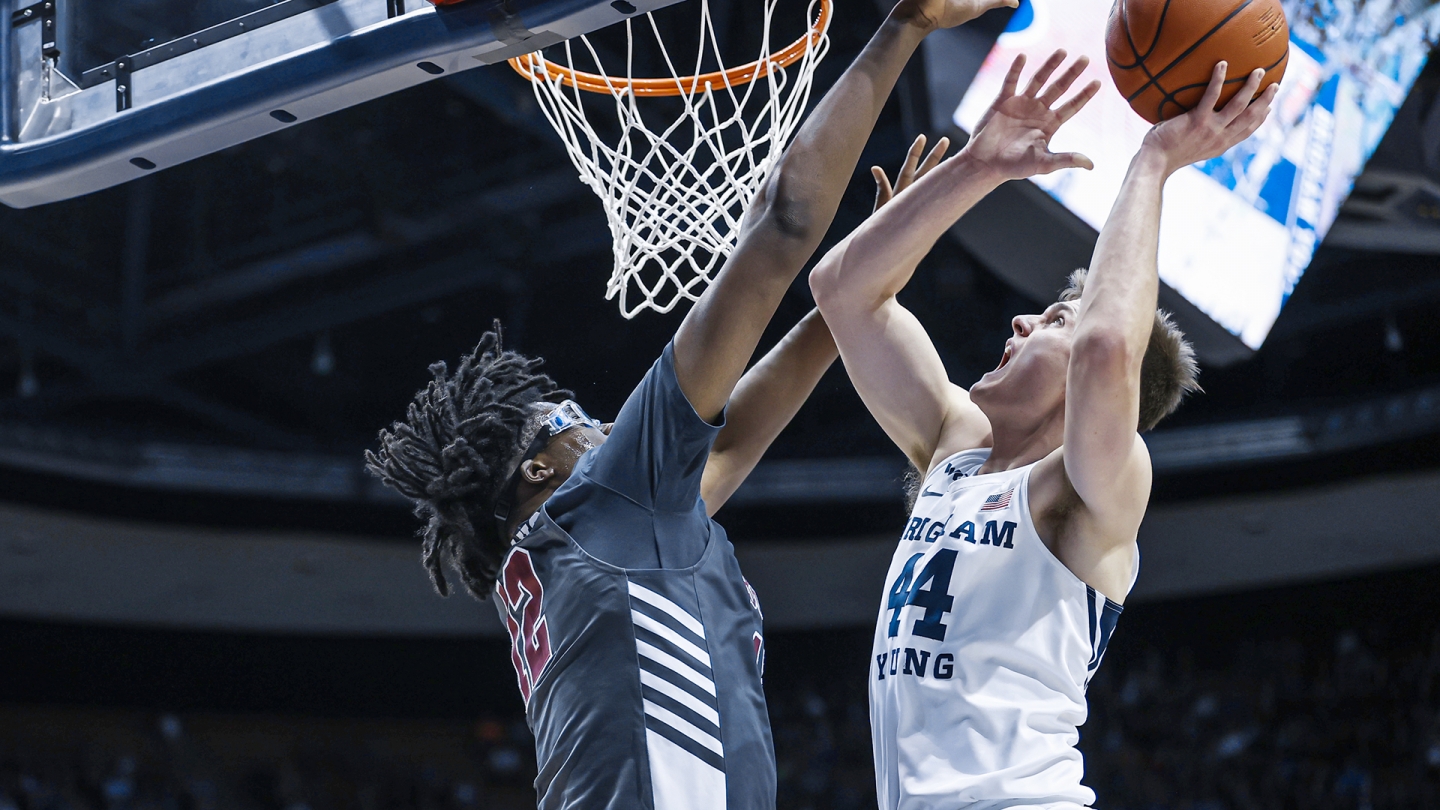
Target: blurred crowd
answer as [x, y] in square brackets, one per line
[1348, 721]
[1345, 714]
[66, 759]
[1283, 726]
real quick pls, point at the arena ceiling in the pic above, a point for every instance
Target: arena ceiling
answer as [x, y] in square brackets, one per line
[282, 299]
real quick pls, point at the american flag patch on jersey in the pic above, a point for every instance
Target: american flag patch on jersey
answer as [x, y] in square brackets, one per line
[997, 502]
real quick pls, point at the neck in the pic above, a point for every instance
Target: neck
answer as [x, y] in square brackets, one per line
[528, 501]
[1015, 445]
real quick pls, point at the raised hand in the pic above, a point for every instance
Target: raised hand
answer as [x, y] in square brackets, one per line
[1013, 137]
[912, 170]
[949, 13]
[1206, 132]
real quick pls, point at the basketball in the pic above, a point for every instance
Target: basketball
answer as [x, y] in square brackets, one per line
[1161, 52]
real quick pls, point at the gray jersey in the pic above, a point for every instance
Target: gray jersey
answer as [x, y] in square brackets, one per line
[637, 643]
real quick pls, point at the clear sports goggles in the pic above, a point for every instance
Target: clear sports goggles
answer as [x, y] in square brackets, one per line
[562, 417]
[566, 415]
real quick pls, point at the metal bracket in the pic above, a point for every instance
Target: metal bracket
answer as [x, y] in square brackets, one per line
[156, 54]
[121, 69]
[45, 12]
[505, 21]
[20, 16]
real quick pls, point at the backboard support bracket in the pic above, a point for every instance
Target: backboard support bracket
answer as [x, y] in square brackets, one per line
[295, 60]
[44, 13]
[121, 71]
[194, 42]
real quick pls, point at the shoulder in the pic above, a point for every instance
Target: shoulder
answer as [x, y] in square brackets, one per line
[1097, 542]
[664, 395]
[956, 465]
[584, 492]
[1059, 510]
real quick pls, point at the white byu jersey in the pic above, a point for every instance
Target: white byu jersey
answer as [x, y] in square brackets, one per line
[983, 649]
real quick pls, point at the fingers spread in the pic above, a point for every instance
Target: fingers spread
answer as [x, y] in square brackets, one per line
[1012, 79]
[1255, 115]
[912, 162]
[936, 155]
[1242, 99]
[1261, 105]
[1252, 126]
[1061, 85]
[912, 157]
[1037, 82]
[883, 192]
[1067, 110]
[1212, 92]
[1055, 161]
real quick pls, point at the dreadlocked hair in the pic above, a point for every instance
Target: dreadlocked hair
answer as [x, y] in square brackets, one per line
[454, 451]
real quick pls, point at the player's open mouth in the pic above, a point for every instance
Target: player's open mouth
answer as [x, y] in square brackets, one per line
[1004, 358]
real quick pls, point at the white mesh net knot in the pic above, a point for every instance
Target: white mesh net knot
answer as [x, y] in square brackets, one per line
[675, 195]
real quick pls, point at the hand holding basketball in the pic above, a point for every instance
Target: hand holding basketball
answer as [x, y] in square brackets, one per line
[1206, 132]
[950, 13]
[1013, 137]
[1160, 52]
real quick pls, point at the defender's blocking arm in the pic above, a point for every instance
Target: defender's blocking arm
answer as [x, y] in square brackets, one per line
[1105, 460]
[764, 402]
[772, 391]
[794, 207]
[890, 359]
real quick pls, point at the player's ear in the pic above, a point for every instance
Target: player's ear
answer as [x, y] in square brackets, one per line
[536, 471]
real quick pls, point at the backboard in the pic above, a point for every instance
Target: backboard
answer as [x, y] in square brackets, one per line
[94, 93]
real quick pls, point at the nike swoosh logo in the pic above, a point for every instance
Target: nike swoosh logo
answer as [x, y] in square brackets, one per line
[928, 494]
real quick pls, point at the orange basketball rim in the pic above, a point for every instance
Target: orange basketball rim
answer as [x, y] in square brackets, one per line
[681, 85]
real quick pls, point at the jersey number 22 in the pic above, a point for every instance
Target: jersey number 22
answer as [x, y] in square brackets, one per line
[524, 599]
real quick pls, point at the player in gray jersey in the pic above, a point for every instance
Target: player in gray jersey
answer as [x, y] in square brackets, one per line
[636, 641]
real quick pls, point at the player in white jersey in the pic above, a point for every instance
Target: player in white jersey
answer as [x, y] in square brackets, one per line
[1009, 577]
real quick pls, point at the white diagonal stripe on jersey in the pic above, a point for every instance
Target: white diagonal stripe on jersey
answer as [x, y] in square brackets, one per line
[679, 779]
[664, 618]
[680, 615]
[701, 693]
[679, 695]
[671, 636]
[675, 665]
[683, 726]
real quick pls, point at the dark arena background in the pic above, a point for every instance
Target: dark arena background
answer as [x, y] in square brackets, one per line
[206, 603]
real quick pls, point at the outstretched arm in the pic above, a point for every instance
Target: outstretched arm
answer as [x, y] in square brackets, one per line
[891, 360]
[1105, 460]
[772, 391]
[795, 205]
[764, 402]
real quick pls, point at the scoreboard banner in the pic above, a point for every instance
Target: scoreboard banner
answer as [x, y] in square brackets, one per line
[1238, 231]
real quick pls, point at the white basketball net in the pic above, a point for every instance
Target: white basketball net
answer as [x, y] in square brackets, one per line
[675, 195]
